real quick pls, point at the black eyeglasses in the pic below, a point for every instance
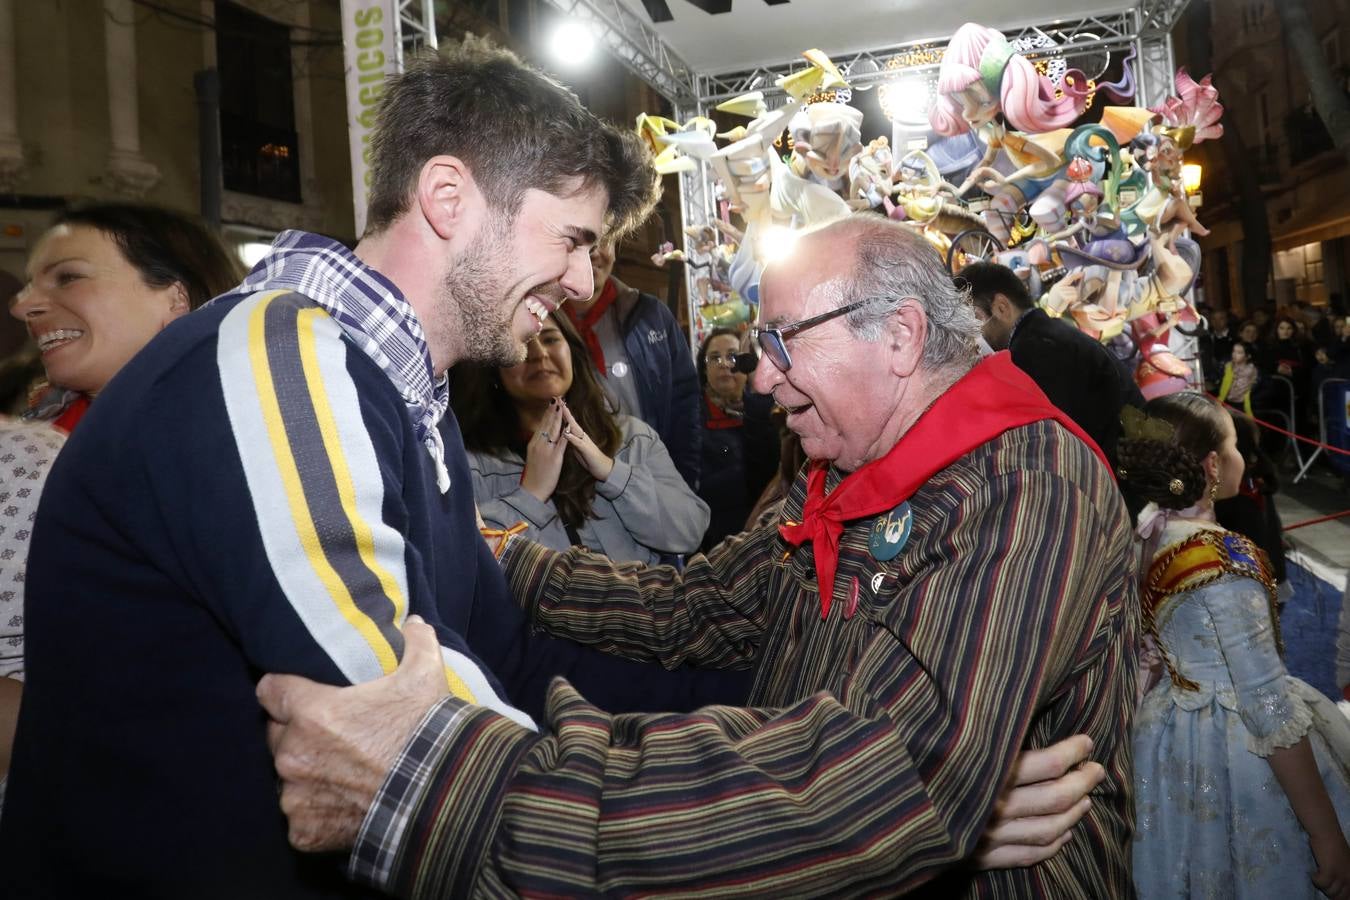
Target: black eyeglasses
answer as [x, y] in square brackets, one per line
[773, 341]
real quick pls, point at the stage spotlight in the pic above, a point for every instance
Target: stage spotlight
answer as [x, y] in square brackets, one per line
[863, 68]
[776, 242]
[572, 44]
[906, 100]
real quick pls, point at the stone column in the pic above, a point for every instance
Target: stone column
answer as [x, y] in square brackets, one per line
[127, 171]
[11, 149]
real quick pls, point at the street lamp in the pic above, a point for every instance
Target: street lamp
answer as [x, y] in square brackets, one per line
[1190, 178]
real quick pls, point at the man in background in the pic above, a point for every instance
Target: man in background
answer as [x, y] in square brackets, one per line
[1077, 373]
[644, 360]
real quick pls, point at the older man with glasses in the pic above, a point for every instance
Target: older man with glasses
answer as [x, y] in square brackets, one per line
[949, 584]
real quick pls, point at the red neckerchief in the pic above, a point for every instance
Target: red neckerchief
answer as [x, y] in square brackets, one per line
[72, 414]
[720, 418]
[586, 323]
[993, 397]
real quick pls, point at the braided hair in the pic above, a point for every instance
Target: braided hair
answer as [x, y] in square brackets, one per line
[1169, 469]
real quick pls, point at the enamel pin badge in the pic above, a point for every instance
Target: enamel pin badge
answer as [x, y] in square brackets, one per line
[890, 533]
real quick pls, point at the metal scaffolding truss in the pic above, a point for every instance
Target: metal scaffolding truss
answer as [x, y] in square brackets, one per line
[1069, 38]
[635, 44]
[1156, 64]
[1160, 15]
[1080, 43]
[416, 27]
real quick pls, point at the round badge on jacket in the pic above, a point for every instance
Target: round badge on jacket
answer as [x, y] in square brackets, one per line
[890, 533]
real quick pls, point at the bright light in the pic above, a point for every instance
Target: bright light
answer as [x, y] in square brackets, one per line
[1190, 177]
[776, 242]
[251, 252]
[572, 43]
[906, 101]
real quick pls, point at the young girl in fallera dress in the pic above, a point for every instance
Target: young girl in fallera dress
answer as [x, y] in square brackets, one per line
[1241, 781]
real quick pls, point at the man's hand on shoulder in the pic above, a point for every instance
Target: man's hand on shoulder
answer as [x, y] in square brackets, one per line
[333, 746]
[1045, 797]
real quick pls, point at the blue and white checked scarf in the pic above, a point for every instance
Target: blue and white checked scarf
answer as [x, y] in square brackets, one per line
[373, 313]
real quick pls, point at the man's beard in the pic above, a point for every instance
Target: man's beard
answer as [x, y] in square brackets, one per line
[475, 287]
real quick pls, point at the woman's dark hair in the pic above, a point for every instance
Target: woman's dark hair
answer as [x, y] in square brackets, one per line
[1258, 465]
[702, 361]
[18, 373]
[163, 246]
[1148, 465]
[1275, 329]
[487, 417]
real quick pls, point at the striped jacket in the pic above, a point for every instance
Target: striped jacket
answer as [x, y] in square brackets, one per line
[874, 746]
[248, 495]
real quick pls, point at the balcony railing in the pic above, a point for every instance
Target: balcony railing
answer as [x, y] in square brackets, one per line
[259, 159]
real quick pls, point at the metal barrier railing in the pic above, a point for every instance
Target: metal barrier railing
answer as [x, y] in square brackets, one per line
[1289, 417]
[1322, 437]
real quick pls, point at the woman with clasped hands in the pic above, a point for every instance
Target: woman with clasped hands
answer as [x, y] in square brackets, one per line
[545, 450]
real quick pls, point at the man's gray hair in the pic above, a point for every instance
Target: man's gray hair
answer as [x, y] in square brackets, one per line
[892, 262]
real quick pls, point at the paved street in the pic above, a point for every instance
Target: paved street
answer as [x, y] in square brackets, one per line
[1319, 557]
[1321, 493]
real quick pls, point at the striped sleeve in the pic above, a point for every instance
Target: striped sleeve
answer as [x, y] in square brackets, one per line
[318, 491]
[712, 616]
[872, 789]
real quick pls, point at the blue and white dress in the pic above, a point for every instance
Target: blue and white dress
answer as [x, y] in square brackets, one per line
[1212, 821]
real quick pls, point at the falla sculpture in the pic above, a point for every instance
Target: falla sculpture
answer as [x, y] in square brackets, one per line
[1092, 214]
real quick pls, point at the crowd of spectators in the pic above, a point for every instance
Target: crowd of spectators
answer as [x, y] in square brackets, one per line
[1277, 358]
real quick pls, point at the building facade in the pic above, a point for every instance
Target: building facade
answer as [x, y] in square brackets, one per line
[102, 100]
[1304, 180]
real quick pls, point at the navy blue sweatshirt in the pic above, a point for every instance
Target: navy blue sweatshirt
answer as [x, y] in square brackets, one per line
[247, 496]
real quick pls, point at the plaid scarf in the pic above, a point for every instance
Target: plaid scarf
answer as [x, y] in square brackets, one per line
[373, 313]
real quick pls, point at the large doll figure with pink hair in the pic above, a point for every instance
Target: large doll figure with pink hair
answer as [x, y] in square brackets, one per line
[984, 82]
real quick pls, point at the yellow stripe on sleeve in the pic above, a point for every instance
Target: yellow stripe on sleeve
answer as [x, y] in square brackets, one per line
[290, 476]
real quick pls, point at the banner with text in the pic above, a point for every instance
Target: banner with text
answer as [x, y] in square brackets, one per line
[369, 33]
